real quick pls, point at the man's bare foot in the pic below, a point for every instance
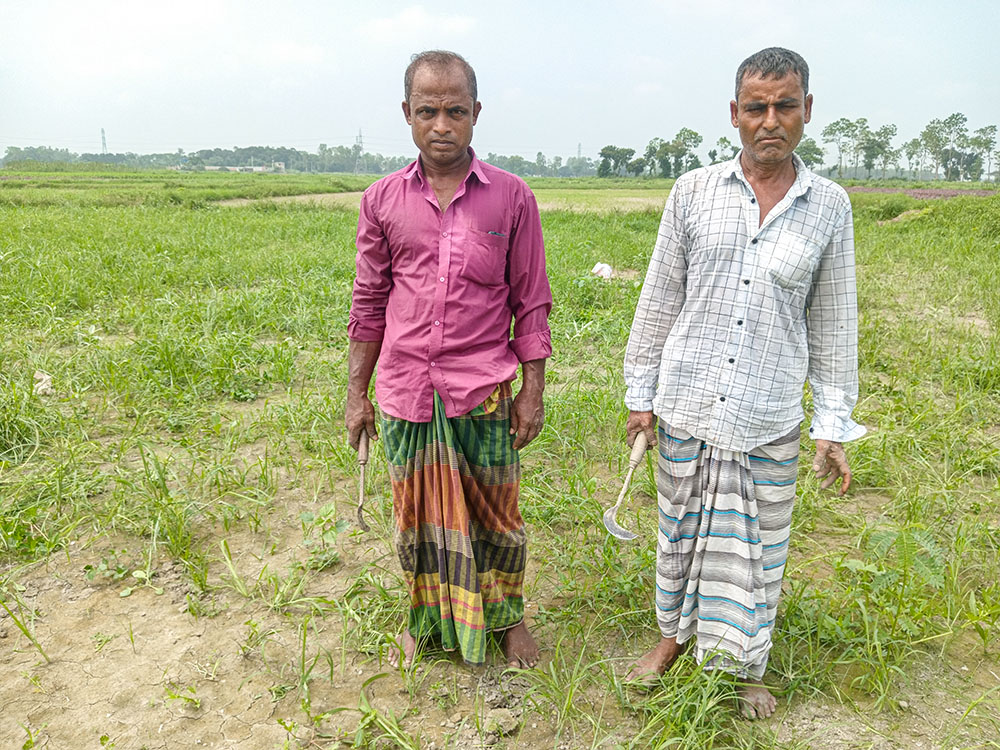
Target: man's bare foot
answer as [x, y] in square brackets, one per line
[649, 667]
[409, 644]
[519, 647]
[755, 700]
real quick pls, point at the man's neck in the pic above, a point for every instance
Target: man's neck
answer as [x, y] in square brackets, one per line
[772, 176]
[454, 172]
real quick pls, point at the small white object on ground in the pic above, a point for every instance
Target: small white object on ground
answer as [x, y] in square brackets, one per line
[43, 384]
[603, 270]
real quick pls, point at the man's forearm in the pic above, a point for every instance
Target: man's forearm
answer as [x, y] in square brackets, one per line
[361, 359]
[533, 376]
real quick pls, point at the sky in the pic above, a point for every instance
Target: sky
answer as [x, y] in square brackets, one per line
[553, 76]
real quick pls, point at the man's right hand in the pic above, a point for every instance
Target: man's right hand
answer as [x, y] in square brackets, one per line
[359, 414]
[641, 421]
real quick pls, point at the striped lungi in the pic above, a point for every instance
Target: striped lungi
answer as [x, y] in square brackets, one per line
[724, 521]
[459, 533]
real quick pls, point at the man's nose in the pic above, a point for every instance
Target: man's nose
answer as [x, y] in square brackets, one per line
[771, 118]
[441, 123]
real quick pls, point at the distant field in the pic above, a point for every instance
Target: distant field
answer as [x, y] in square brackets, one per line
[179, 560]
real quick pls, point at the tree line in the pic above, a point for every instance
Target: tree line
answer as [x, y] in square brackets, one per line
[945, 149]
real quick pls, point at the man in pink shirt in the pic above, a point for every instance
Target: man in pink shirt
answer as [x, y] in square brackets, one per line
[450, 252]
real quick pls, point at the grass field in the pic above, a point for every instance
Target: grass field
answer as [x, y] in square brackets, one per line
[179, 561]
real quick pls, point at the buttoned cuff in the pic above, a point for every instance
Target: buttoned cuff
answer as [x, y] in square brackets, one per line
[532, 346]
[835, 428]
[639, 397]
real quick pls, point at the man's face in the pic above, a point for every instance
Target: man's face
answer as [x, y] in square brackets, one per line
[771, 114]
[441, 114]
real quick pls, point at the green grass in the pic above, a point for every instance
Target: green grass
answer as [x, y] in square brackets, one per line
[198, 363]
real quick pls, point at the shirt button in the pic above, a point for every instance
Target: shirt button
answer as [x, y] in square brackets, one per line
[753, 200]
[731, 360]
[442, 279]
[739, 322]
[722, 398]
[437, 322]
[753, 241]
[445, 234]
[433, 364]
[745, 281]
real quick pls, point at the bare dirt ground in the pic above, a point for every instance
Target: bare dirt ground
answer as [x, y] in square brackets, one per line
[143, 671]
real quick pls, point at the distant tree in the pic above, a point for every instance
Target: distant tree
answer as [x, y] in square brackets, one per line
[914, 150]
[885, 154]
[838, 133]
[713, 156]
[981, 143]
[725, 145]
[541, 165]
[955, 130]
[650, 154]
[810, 152]
[858, 137]
[580, 166]
[636, 167]
[604, 168]
[617, 157]
[685, 142]
[664, 157]
[935, 142]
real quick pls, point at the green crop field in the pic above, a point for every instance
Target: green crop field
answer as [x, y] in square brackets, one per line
[179, 558]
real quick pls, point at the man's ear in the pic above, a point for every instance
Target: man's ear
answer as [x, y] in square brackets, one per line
[406, 112]
[476, 108]
[809, 108]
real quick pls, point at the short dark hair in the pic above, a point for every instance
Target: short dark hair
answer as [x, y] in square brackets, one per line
[774, 62]
[439, 58]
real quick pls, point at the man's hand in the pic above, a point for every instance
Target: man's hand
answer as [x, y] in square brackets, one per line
[527, 413]
[359, 414]
[641, 421]
[831, 462]
[527, 416]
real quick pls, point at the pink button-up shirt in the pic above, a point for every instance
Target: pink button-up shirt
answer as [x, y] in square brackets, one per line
[440, 289]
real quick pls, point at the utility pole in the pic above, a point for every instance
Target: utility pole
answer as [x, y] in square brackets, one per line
[104, 143]
[359, 148]
[579, 150]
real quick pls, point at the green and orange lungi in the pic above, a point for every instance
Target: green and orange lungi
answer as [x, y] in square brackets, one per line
[459, 533]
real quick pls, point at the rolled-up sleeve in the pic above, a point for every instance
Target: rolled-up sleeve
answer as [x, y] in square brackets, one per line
[832, 324]
[530, 296]
[659, 305]
[373, 282]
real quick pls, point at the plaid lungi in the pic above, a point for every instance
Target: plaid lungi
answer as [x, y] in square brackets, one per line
[459, 534]
[724, 522]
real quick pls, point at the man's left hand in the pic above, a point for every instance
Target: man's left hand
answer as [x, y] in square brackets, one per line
[831, 462]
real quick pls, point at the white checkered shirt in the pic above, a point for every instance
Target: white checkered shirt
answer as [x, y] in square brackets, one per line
[733, 319]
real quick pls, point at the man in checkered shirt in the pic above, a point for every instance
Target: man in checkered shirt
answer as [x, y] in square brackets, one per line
[750, 292]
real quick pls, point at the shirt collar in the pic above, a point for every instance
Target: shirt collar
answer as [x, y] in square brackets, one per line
[416, 168]
[803, 175]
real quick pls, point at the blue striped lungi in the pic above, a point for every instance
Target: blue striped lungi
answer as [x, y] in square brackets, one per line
[724, 521]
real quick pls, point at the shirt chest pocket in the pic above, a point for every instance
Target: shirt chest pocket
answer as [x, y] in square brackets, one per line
[792, 261]
[483, 257]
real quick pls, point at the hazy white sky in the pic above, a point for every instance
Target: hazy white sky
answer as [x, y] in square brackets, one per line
[195, 74]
